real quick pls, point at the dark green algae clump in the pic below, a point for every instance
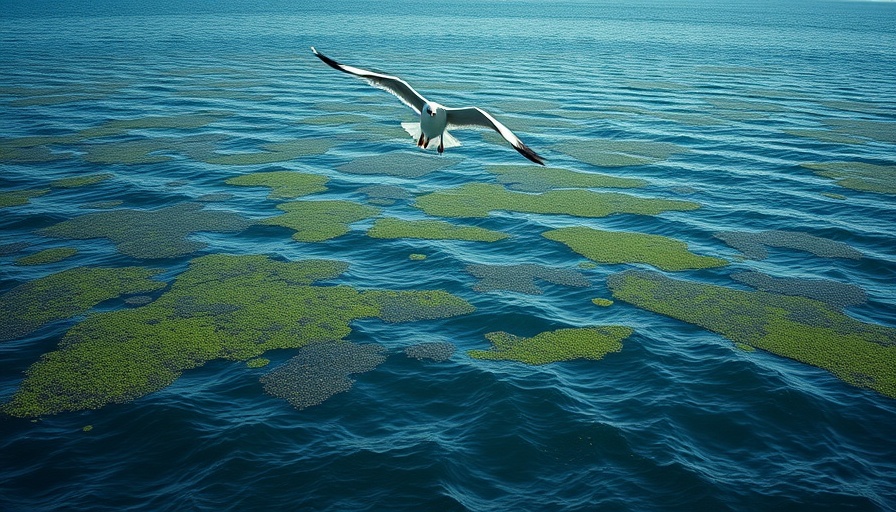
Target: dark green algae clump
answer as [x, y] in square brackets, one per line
[553, 346]
[478, 199]
[283, 184]
[391, 227]
[806, 330]
[221, 307]
[317, 221]
[149, 234]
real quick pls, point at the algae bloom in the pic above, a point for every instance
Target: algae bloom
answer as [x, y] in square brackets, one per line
[521, 278]
[624, 247]
[317, 221]
[552, 346]
[283, 184]
[221, 307]
[391, 227]
[798, 328]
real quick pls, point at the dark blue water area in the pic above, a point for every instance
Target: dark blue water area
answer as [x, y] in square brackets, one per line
[679, 419]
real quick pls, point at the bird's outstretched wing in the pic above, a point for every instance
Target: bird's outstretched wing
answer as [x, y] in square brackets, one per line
[475, 116]
[389, 83]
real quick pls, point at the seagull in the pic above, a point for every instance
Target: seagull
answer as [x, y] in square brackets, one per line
[434, 118]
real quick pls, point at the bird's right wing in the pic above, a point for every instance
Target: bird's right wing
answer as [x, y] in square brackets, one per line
[475, 116]
[389, 83]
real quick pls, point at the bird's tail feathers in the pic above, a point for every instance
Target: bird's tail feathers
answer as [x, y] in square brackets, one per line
[449, 141]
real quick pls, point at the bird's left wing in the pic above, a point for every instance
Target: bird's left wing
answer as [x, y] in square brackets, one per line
[389, 83]
[475, 116]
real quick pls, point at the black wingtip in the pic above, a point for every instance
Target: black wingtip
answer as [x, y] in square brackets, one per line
[328, 61]
[527, 152]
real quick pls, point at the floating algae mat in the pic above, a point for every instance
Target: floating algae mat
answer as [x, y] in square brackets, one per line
[221, 307]
[384, 195]
[149, 234]
[616, 247]
[619, 153]
[884, 131]
[317, 221]
[836, 294]
[521, 278]
[553, 346]
[80, 181]
[391, 227]
[398, 163]
[20, 197]
[283, 184]
[478, 199]
[321, 370]
[437, 351]
[753, 244]
[802, 329]
[46, 256]
[524, 179]
[859, 175]
[65, 294]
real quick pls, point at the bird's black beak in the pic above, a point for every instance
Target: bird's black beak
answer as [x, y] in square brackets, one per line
[432, 113]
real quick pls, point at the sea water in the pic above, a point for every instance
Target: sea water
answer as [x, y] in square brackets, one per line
[726, 105]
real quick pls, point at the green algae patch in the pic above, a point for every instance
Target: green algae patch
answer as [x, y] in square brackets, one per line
[130, 152]
[221, 307]
[553, 346]
[753, 244]
[859, 175]
[258, 362]
[414, 305]
[391, 227]
[283, 184]
[416, 257]
[616, 247]
[602, 302]
[150, 234]
[47, 256]
[81, 181]
[273, 152]
[619, 153]
[317, 221]
[31, 305]
[438, 351]
[398, 163]
[884, 131]
[805, 330]
[525, 179]
[478, 199]
[521, 278]
[19, 197]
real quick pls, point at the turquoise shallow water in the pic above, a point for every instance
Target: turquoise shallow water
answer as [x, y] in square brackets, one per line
[712, 103]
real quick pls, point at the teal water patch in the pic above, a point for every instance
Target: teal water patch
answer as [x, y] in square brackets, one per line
[554, 346]
[31, 305]
[798, 328]
[274, 152]
[318, 221]
[522, 278]
[148, 234]
[81, 181]
[385, 195]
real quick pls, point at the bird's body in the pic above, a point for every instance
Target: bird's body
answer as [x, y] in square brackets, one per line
[435, 119]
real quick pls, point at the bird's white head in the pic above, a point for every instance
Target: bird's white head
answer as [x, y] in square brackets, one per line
[430, 109]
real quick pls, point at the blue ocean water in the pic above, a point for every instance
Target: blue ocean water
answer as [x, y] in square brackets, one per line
[678, 420]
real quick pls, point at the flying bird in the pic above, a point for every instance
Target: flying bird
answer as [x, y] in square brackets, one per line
[435, 119]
